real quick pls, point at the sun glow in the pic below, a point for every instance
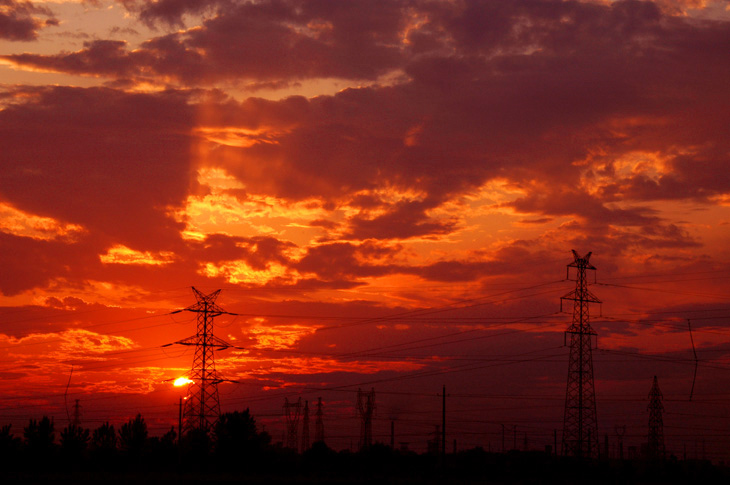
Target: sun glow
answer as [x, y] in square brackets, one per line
[181, 381]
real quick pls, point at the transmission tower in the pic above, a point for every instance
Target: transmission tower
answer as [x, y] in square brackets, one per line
[655, 444]
[319, 423]
[580, 431]
[366, 407]
[305, 427]
[291, 414]
[202, 406]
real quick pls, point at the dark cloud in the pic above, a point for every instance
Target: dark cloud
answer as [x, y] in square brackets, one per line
[257, 252]
[349, 261]
[401, 221]
[548, 95]
[171, 12]
[32, 263]
[112, 162]
[20, 20]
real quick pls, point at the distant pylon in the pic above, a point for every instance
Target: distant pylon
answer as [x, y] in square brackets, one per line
[655, 444]
[291, 414]
[76, 423]
[305, 427]
[319, 423]
[366, 407]
[202, 406]
[580, 430]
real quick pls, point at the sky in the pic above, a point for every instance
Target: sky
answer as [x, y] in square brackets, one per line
[386, 192]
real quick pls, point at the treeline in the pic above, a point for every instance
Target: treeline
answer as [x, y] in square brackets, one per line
[236, 451]
[234, 437]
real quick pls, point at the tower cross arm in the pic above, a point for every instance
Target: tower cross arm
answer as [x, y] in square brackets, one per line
[583, 295]
[212, 341]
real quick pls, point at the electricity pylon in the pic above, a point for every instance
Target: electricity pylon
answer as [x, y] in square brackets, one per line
[319, 423]
[366, 407]
[305, 427]
[291, 414]
[202, 405]
[580, 430]
[655, 444]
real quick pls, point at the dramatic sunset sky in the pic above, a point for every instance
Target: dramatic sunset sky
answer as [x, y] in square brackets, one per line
[387, 193]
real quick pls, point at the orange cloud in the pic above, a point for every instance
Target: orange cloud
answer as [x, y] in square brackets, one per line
[20, 223]
[120, 254]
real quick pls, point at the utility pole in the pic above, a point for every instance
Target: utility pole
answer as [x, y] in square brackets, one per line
[580, 430]
[620, 431]
[443, 423]
[655, 442]
[76, 423]
[319, 422]
[392, 434]
[305, 427]
[366, 408]
[502, 437]
[202, 405]
[179, 420]
[291, 415]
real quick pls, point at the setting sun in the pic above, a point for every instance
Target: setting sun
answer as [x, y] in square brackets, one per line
[181, 381]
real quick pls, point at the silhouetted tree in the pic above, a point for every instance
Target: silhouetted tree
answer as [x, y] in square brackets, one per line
[236, 437]
[133, 435]
[104, 437]
[9, 445]
[162, 452]
[168, 439]
[7, 440]
[39, 435]
[195, 447]
[74, 440]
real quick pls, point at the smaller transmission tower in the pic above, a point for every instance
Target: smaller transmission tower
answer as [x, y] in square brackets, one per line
[202, 406]
[319, 423]
[580, 430]
[291, 414]
[655, 444]
[366, 407]
[305, 427]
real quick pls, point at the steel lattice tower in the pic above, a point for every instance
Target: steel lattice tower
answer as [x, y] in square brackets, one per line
[305, 427]
[580, 431]
[202, 405]
[366, 407]
[319, 423]
[291, 414]
[655, 444]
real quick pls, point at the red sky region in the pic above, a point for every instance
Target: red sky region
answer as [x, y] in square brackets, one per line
[387, 194]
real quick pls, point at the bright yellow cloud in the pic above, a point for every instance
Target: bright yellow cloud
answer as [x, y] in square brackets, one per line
[19, 223]
[228, 209]
[240, 272]
[280, 337]
[123, 255]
